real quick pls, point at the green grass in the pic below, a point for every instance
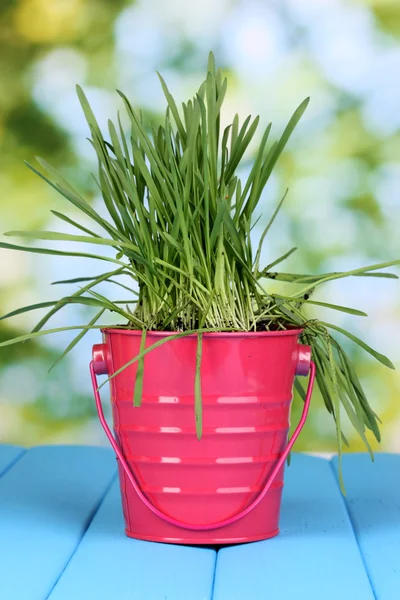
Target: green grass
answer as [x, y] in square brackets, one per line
[180, 221]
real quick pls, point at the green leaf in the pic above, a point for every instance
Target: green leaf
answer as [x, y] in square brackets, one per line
[174, 108]
[216, 230]
[359, 398]
[299, 388]
[36, 334]
[198, 407]
[131, 250]
[277, 150]
[28, 308]
[67, 237]
[339, 275]
[138, 391]
[78, 338]
[57, 177]
[280, 259]
[90, 118]
[264, 233]
[380, 357]
[73, 223]
[60, 253]
[233, 234]
[60, 304]
[331, 383]
[253, 179]
[78, 280]
[242, 142]
[76, 201]
[385, 275]
[316, 279]
[345, 309]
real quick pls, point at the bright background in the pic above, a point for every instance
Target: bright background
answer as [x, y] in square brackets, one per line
[342, 165]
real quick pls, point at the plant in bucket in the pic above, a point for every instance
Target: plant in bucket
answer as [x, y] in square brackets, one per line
[202, 370]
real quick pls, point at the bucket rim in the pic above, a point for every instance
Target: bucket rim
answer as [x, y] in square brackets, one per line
[228, 334]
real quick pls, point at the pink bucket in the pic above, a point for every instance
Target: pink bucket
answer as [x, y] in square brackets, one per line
[227, 487]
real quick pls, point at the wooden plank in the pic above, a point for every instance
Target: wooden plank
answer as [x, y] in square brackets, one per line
[373, 502]
[315, 556]
[8, 456]
[47, 500]
[108, 564]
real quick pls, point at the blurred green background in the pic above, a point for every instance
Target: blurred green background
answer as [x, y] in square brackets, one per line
[342, 166]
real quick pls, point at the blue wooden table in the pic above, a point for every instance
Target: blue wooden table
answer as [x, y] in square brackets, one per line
[61, 536]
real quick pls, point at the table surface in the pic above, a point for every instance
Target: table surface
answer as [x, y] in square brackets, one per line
[62, 536]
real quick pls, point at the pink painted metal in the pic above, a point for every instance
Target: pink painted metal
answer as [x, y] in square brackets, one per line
[227, 487]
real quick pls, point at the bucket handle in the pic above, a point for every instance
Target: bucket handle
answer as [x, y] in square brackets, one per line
[225, 522]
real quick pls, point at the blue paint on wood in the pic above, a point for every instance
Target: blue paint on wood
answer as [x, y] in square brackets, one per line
[47, 500]
[373, 502]
[109, 565]
[8, 456]
[49, 496]
[315, 557]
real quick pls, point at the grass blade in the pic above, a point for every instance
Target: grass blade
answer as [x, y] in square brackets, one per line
[345, 309]
[264, 233]
[77, 339]
[198, 405]
[138, 389]
[60, 253]
[380, 357]
[28, 308]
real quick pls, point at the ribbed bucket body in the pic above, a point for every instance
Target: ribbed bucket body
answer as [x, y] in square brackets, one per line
[247, 382]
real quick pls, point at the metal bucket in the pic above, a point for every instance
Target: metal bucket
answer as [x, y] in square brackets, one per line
[227, 487]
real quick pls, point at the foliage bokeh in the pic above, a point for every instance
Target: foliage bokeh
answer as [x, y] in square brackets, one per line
[342, 166]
